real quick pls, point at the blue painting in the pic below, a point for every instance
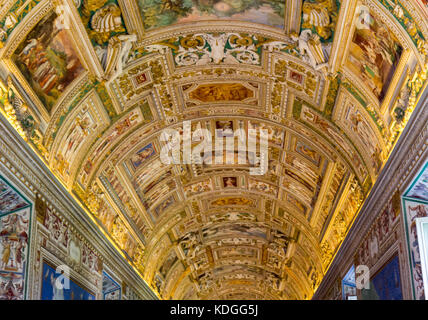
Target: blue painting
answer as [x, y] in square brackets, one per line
[387, 283]
[143, 155]
[69, 291]
[349, 290]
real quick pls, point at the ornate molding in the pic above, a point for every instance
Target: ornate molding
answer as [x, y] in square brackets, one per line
[13, 151]
[408, 154]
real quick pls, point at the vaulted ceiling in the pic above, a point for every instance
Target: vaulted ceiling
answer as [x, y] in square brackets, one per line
[91, 84]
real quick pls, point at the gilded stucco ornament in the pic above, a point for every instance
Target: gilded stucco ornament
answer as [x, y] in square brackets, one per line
[115, 57]
[23, 121]
[3, 37]
[105, 21]
[311, 50]
[321, 17]
[10, 111]
[407, 100]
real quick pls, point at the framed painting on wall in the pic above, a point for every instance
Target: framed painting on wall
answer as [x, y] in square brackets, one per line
[68, 290]
[386, 283]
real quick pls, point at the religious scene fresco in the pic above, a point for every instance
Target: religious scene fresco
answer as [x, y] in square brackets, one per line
[48, 60]
[374, 55]
[102, 100]
[159, 14]
[221, 92]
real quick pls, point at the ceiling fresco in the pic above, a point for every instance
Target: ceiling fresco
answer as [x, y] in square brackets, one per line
[91, 84]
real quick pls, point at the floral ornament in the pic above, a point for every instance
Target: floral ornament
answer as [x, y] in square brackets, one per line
[200, 49]
[3, 37]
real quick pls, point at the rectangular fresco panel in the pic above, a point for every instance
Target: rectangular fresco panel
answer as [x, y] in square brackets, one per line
[307, 152]
[163, 13]
[143, 155]
[48, 60]
[14, 231]
[358, 126]
[119, 129]
[163, 206]
[236, 229]
[387, 282]
[51, 292]
[374, 54]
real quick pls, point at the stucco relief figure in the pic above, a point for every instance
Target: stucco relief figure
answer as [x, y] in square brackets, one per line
[320, 17]
[310, 47]
[218, 53]
[115, 57]
[272, 46]
[190, 245]
[83, 125]
[107, 19]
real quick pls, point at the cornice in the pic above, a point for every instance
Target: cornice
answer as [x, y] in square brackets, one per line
[18, 157]
[400, 167]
